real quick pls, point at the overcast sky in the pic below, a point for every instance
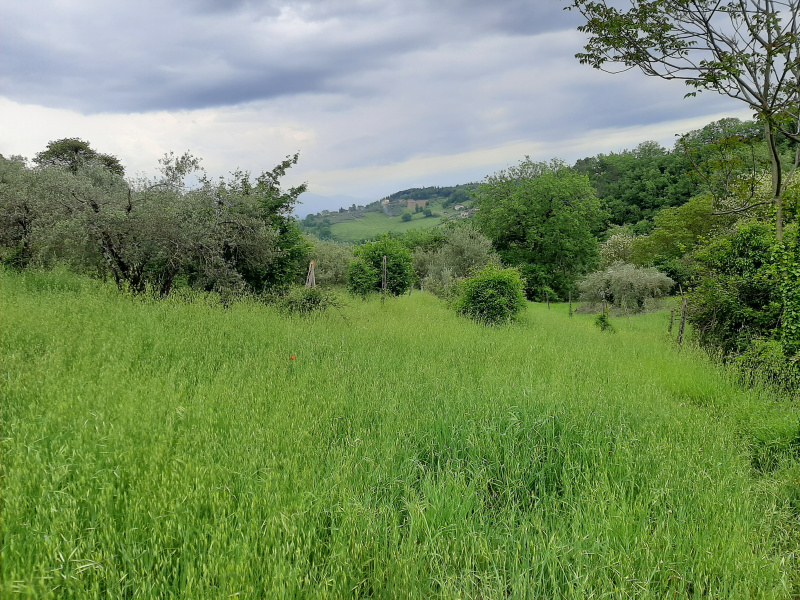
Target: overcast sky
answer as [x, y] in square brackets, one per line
[376, 95]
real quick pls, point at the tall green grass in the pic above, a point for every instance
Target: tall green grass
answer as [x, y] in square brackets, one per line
[176, 449]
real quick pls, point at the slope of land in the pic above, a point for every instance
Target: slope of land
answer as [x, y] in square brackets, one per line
[184, 449]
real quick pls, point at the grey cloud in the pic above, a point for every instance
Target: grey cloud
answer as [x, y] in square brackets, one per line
[124, 58]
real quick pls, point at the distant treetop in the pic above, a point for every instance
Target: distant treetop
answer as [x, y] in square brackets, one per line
[73, 153]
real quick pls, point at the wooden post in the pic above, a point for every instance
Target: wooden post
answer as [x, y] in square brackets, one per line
[570, 304]
[547, 297]
[383, 282]
[671, 320]
[311, 281]
[683, 322]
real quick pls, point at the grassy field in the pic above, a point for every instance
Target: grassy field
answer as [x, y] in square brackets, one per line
[182, 449]
[376, 223]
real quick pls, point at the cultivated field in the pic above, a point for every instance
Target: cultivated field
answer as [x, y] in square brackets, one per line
[377, 223]
[183, 449]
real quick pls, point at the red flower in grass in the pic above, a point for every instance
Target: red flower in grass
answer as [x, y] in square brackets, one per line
[292, 357]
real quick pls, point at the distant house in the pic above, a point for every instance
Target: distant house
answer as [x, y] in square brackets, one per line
[385, 201]
[413, 204]
[465, 214]
[459, 207]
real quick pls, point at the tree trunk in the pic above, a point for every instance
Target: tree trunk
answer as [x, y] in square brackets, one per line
[777, 178]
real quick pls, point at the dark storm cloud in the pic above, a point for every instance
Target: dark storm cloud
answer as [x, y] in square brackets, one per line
[109, 57]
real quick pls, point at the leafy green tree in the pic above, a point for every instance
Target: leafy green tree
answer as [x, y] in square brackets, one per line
[747, 50]
[635, 184]
[19, 212]
[74, 153]
[406, 217]
[738, 299]
[543, 218]
[366, 272]
[144, 233]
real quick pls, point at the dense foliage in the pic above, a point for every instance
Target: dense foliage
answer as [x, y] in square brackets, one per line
[365, 273]
[542, 218]
[625, 286]
[463, 249]
[145, 234]
[737, 299]
[491, 296]
[635, 185]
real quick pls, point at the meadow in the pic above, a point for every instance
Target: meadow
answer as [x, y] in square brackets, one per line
[373, 224]
[187, 449]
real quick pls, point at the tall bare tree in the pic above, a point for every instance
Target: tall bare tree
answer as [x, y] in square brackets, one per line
[748, 50]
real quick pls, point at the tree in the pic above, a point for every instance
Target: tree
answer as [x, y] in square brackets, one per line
[464, 250]
[625, 286]
[365, 274]
[74, 153]
[635, 184]
[231, 233]
[748, 50]
[542, 218]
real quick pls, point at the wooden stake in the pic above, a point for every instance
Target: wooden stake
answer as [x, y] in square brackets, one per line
[671, 320]
[383, 282]
[547, 297]
[683, 322]
[311, 281]
[570, 304]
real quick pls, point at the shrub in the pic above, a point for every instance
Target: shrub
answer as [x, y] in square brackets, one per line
[603, 323]
[365, 273]
[361, 277]
[492, 296]
[625, 285]
[406, 217]
[766, 361]
[738, 298]
[332, 260]
[464, 250]
[301, 299]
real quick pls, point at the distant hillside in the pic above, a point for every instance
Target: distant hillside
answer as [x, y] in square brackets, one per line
[414, 208]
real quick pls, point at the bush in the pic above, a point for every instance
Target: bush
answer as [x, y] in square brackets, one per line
[492, 296]
[332, 260]
[765, 361]
[625, 286]
[603, 323]
[406, 217]
[361, 277]
[365, 273]
[738, 298]
[464, 250]
[301, 299]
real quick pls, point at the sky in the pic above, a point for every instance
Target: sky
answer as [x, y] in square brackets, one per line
[376, 95]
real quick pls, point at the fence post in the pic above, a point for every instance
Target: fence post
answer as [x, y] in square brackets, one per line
[683, 322]
[383, 282]
[671, 320]
[547, 297]
[311, 281]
